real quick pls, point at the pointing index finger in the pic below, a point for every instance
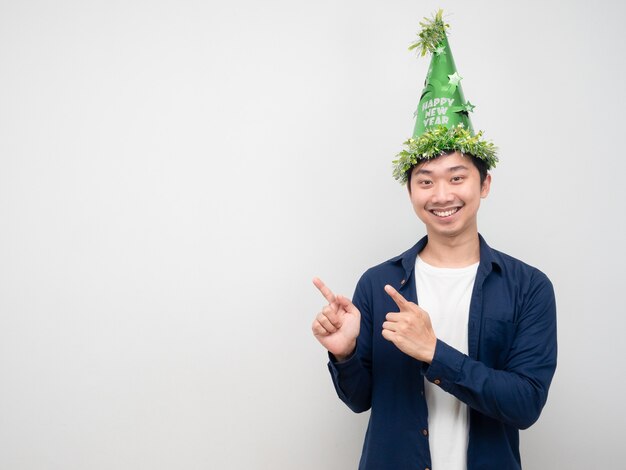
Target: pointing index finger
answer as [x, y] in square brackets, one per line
[326, 292]
[396, 296]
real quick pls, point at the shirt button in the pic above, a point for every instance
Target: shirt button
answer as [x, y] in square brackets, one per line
[436, 381]
[425, 432]
[402, 281]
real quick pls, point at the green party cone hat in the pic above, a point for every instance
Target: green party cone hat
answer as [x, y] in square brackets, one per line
[442, 101]
[442, 115]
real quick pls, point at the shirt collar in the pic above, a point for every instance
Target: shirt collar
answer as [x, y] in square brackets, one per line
[488, 260]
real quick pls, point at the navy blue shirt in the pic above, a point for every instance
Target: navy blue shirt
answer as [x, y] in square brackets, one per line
[504, 379]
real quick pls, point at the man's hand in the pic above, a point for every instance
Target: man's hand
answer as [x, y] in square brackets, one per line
[410, 328]
[337, 326]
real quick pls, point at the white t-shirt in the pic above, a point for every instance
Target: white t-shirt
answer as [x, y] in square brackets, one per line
[445, 293]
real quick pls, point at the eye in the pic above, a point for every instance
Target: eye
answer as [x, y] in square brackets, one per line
[424, 182]
[457, 179]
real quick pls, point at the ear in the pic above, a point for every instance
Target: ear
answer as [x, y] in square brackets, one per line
[484, 191]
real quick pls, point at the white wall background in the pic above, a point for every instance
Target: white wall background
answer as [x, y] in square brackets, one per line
[173, 174]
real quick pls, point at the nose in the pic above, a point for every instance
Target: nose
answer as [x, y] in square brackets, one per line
[442, 194]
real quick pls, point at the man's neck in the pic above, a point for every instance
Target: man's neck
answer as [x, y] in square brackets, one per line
[452, 252]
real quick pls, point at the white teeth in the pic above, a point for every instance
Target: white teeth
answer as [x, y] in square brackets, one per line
[445, 213]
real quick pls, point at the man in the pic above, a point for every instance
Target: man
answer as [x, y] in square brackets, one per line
[452, 344]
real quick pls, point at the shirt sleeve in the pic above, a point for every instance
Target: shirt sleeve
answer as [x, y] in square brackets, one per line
[516, 393]
[352, 377]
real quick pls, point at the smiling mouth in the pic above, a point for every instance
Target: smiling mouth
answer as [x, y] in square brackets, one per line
[446, 213]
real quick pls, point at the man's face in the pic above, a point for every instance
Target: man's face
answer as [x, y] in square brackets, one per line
[446, 192]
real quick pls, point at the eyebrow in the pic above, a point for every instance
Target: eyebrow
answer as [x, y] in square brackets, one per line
[449, 170]
[457, 168]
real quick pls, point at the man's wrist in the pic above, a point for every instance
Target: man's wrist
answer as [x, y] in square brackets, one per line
[431, 353]
[345, 356]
